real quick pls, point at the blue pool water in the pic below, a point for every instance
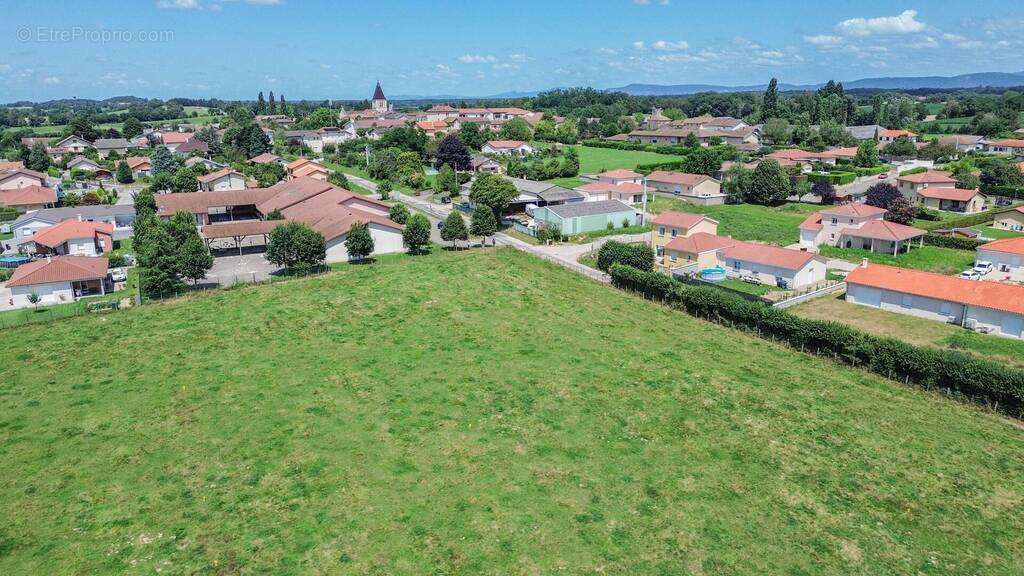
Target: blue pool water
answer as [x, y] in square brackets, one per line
[13, 261]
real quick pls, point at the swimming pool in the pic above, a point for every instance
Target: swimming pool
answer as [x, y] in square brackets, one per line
[13, 261]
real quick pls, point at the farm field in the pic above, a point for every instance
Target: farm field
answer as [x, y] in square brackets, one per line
[775, 225]
[454, 426]
[928, 258]
[912, 329]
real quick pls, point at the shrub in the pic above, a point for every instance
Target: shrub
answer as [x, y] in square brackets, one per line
[979, 379]
[952, 242]
[639, 256]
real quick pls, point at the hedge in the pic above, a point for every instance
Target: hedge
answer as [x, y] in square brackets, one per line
[998, 385]
[918, 170]
[956, 242]
[969, 220]
[837, 177]
[1007, 191]
[874, 171]
[677, 149]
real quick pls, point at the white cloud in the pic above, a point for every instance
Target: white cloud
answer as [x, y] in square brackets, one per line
[639, 45]
[5, 67]
[179, 4]
[505, 66]
[648, 2]
[476, 59]
[824, 40]
[443, 69]
[669, 46]
[52, 80]
[905, 23]
[518, 58]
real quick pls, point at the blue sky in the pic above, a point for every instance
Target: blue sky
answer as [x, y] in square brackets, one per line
[320, 49]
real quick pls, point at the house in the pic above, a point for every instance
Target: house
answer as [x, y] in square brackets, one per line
[911, 184]
[963, 142]
[1009, 146]
[888, 136]
[58, 279]
[266, 158]
[224, 179]
[433, 127]
[70, 145]
[6, 166]
[782, 267]
[120, 216]
[189, 146]
[441, 113]
[671, 225]
[951, 199]
[857, 225]
[978, 305]
[105, 146]
[533, 194]
[304, 167]
[85, 164]
[695, 252]
[1010, 220]
[1006, 255]
[622, 185]
[480, 163]
[21, 178]
[139, 165]
[226, 215]
[695, 188]
[581, 217]
[507, 147]
[206, 163]
[865, 132]
[656, 120]
[72, 237]
[28, 199]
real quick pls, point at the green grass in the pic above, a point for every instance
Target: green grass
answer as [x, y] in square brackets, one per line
[997, 233]
[570, 182]
[929, 258]
[747, 287]
[777, 225]
[39, 314]
[594, 160]
[520, 236]
[919, 331]
[588, 236]
[491, 414]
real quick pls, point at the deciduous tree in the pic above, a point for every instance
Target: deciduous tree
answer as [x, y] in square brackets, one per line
[454, 228]
[359, 242]
[416, 234]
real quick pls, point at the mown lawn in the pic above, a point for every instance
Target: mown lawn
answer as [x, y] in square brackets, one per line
[929, 258]
[997, 233]
[775, 225]
[918, 331]
[595, 160]
[478, 413]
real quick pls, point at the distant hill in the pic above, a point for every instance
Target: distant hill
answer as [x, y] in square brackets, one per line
[974, 80]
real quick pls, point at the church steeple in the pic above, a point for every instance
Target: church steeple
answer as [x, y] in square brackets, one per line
[378, 93]
[380, 102]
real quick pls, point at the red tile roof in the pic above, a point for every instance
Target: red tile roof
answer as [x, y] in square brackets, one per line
[699, 243]
[812, 222]
[307, 169]
[948, 193]
[218, 175]
[240, 228]
[59, 269]
[620, 174]
[993, 295]
[265, 158]
[677, 177]
[629, 187]
[176, 137]
[297, 162]
[882, 230]
[1009, 143]
[896, 133]
[854, 210]
[28, 196]
[769, 255]
[498, 144]
[1010, 245]
[930, 177]
[136, 162]
[680, 219]
[60, 233]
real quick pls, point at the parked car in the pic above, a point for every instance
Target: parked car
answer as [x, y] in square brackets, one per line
[883, 175]
[440, 224]
[970, 275]
[983, 267]
[118, 274]
[446, 199]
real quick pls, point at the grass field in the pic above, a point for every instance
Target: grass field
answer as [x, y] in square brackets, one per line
[929, 258]
[595, 160]
[57, 129]
[777, 225]
[479, 413]
[997, 233]
[914, 330]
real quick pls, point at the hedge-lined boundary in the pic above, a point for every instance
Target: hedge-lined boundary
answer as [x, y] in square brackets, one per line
[836, 177]
[667, 149]
[997, 385]
[968, 221]
[952, 241]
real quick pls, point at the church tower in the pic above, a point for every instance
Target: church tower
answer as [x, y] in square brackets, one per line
[379, 102]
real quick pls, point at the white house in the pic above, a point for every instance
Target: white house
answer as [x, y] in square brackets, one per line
[772, 265]
[57, 280]
[85, 164]
[1009, 147]
[1006, 255]
[696, 188]
[857, 225]
[992, 307]
[225, 179]
[622, 185]
[120, 216]
[507, 147]
[911, 184]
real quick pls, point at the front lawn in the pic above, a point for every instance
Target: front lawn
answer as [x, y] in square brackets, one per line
[775, 225]
[997, 233]
[947, 261]
[479, 412]
[911, 329]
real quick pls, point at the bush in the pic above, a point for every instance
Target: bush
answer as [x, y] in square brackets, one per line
[979, 379]
[836, 178]
[639, 256]
[955, 242]
[968, 221]
[918, 170]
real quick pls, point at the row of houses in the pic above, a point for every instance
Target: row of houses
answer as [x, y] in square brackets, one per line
[179, 142]
[25, 190]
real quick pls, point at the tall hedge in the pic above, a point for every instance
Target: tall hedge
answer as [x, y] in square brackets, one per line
[988, 382]
[956, 242]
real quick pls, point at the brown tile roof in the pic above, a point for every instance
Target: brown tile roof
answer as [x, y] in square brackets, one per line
[308, 169]
[993, 295]
[291, 192]
[699, 243]
[16, 165]
[176, 137]
[680, 219]
[201, 202]
[218, 175]
[60, 233]
[948, 193]
[620, 173]
[855, 210]
[883, 230]
[297, 162]
[769, 255]
[627, 187]
[23, 172]
[240, 228]
[136, 162]
[930, 177]
[896, 133]
[677, 177]
[59, 269]
[1009, 143]
[28, 196]
[505, 143]
[1010, 245]
[265, 158]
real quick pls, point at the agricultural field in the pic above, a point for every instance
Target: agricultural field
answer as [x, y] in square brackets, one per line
[775, 225]
[928, 258]
[490, 414]
[914, 330]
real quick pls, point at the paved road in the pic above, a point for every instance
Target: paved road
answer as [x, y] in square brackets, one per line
[861, 185]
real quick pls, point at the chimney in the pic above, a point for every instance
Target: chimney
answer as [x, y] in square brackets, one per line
[864, 263]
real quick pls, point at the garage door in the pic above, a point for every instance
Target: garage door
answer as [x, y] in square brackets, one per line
[1012, 325]
[868, 296]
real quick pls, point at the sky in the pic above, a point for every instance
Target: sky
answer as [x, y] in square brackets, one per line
[313, 49]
